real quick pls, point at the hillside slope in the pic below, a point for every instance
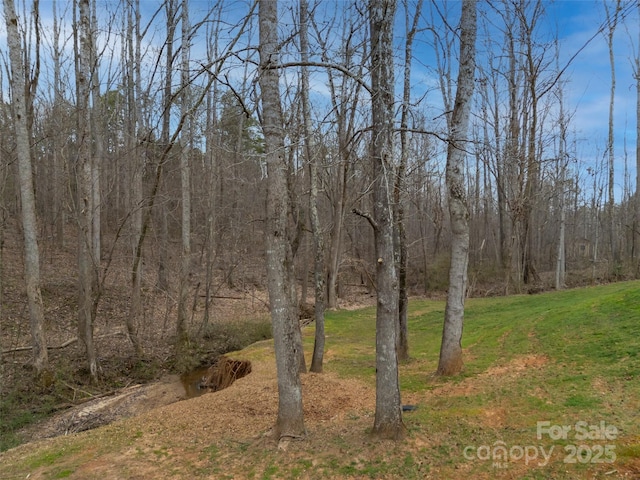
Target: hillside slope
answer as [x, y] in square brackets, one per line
[534, 366]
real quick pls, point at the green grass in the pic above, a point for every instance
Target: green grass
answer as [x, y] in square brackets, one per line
[590, 338]
[582, 346]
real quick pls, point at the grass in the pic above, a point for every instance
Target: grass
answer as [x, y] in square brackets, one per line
[588, 339]
[532, 363]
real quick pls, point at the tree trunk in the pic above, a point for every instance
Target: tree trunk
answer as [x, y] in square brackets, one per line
[134, 169]
[185, 176]
[388, 415]
[450, 362]
[84, 206]
[636, 223]
[290, 421]
[211, 160]
[562, 169]
[613, 240]
[27, 196]
[167, 100]
[97, 139]
[316, 228]
[58, 169]
[400, 187]
[335, 247]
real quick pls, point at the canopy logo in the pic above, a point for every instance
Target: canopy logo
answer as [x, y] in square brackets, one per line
[590, 446]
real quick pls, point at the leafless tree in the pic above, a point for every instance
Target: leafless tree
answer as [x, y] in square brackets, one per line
[612, 18]
[388, 416]
[27, 198]
[636, 223]
[346, 125]
[411, 27]
[316, 228]
[185, 183]
[85, 197]
[290, 421]
[134, 185]
[450, 362]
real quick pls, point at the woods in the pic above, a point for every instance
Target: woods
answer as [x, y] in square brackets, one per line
[184, 147]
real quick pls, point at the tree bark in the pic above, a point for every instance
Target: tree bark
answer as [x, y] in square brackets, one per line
[290, 420]
[450, 362]
[400, 187]
[185, 183]
[316, 228]
[388, 416]
[27, 196]
[84, 206]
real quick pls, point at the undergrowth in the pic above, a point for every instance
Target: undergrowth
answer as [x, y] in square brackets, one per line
[28, 400]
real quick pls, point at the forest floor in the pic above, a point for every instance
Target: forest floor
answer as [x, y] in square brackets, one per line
[561, 357]
[570, 359]
[66, 400]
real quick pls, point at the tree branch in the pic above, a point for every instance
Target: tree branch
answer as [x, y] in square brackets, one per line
[366, 215]
[334, 66]
[58, 347]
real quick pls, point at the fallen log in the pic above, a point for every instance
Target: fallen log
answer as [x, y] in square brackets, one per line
[71, 341]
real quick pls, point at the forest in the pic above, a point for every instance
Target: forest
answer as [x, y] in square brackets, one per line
[158, 159]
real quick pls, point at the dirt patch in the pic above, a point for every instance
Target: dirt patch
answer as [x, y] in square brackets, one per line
[485, 380]
[223, 373]
[125, 403]
[136, 400]
[517, 366]
[327, 399]
[494, 417]
[242, 414]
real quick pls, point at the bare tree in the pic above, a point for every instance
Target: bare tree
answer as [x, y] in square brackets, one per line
[171, 8]
[84, 206]
[636, 223]
[185, 180]
[400, 185]
[316, 229]
[97, 140]
[134, 185]
[58, 168]
[612, 22]
[450, 362]
[346, 96]
[212, 162]
[388, 416]
[290, 421]
[27, 196]
[561, 183]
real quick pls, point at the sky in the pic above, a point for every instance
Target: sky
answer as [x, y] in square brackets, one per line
[587, 78]
[589, 74]
[575, 22]
[589, 81]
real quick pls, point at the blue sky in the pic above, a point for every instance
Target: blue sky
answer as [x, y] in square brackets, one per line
[590, 81]
[587, 79]
[575, 22]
